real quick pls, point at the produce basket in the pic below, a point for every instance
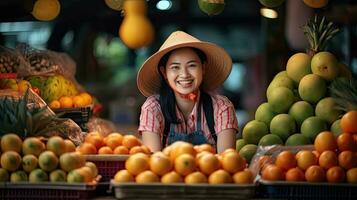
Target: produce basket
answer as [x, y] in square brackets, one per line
[46, 190]
[182, 191]
[79, 115]
[8, 75]
[305, 190]
[108, 165]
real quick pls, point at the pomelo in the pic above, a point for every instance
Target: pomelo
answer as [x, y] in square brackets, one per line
[33, 145]
[336, 128]
[58, 175]
[38, 175]
[312, 126]
[300, 111]
[297, 139]
[240, 143]
[248, 151]
[264, 113]
[270, 139]
[281, 81]
[280, 99]
[325, 65]
[48, 161]
[298, 66]
[253, 131]
[326, 110]
[10, 160]
[29, 163]
[283, 125]
[312, 88]
[18, 176]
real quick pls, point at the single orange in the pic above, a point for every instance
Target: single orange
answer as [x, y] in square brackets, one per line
[137, 163]
[347, 159]
[208, 163]
[160, 163]
[66, 102]
[286, 160]
[171, 177]
[206, 147]
[349, 122]
[185, 164]
[136, 149]
[196, 177]
[328, 159]
[295, 174]
[305, 159]
[94, 138]
[113, 141]
[325, 141]
[121, 150]
[123, 176]
[346, 142]
[336, 174]
[243, 177]
[315, 173]
[86, 149]
[182, 148]
[147, 177]
[220, 177]
[105, 150]
[232, 162]
[352, 175]
[272, 172]
[130, 141]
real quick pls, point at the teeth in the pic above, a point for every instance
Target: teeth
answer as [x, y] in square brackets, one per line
[185, 82]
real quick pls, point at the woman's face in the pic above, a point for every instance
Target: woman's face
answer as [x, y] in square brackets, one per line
[184, 71]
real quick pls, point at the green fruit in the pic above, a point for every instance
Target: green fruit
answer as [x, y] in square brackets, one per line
[283, 125]
[298, 66]
[270, 139]
[325, 65]
[297, 139]
[271, 3]
[336, 128]
[280, 81]
[48, 161]
[4, 175]
[248, 151]
[326, 110]
[264, 113]
[253, 131]
[18, 176]
[312, 126]
[312, 88]
[282, 73]
[300, 111]
[211, 7]
[29, 163]
[75, 176]
[58, 176]
[38, 175]
[240, 143]
[280, 99]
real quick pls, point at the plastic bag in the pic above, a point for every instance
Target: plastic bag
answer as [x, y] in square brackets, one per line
[104, 127]
[67, 128]
[10, 61]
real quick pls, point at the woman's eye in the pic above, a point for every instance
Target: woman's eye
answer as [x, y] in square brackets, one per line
[174, 67]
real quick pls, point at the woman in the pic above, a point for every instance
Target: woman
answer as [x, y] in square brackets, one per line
[179, 81]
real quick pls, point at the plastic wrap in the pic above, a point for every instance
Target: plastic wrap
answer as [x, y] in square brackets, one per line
[100, 125]
[10, 62]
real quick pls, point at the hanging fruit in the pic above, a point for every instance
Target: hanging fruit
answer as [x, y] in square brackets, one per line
[316, 3]
[271, 3]
[115, 4]
[211, 7]
[46, 10]
[136, 30]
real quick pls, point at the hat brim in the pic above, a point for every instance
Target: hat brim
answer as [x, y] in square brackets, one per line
[218, 67]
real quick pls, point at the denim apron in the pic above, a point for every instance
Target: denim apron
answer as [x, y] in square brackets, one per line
[195, 138]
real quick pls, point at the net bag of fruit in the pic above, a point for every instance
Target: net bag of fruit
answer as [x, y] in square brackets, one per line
[26, 114]
[10, 62]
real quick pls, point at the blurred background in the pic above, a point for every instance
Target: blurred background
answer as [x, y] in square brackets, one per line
[259, 43]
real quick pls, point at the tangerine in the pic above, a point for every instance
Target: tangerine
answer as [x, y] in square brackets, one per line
[160, 164]
[196, 177]
[130, 141]
[328, 159]
[272, 172]
[171, 177]
[220, 177]
[325, 141]
[209, 163]
[185, 164]
[336, 174]
[346, 142]
[123, 176]
[295, 174]
[137, 163]
[232, 162]
[286, 160]
[349, 122]
[347, 159]
[243, 177]
[305, 159]
[315, 173]
[147, 177]
[121, 150]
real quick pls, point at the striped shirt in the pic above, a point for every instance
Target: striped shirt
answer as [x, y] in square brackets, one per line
[152, 118]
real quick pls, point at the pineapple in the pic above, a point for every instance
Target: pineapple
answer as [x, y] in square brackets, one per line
[344, 91]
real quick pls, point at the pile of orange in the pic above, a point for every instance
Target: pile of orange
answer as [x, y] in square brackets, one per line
[184, 162]
[333, 160]
[114, 143]
[77, 101]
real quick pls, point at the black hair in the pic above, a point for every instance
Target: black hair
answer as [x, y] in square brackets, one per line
[167, 97]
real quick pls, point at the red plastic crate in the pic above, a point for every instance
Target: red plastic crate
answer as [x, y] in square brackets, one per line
[46, 190]
[108, 165]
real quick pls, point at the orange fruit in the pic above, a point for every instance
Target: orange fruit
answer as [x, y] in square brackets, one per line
[196, 177]
[130, 141]
[105, 150]
[87, 148]
[123, 176]
[316, 153]
[55, 104]
[316, 3]
[86, 97]
[10, 160]
[70, 147]
[11, 142]
[346, 142]
[347, 159]
[232, 162]
[305, 159]
[46, 10]
[285, 160]
[328, 159]
[146, 149]
[205, 147]
[228, 150]
[349, 122]
[185, 164]
[336, 174]
[136, 149]
[137, 163]
[182, 148]
[66, 102]
[220, 177]
[171, 177]
[264, 160]
[33, 145]
[94, 138]
[113, 140]
[208, 163]
[147, 177]
[325, 141]
[352, 175]
[78, 101]
[295, 174]
[272, 172]
[315, 173]
[160, 163]
[56, 144]
[121, 150]
[243, 177]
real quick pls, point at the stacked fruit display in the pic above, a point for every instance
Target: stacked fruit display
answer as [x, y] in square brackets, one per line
[114, 143]
[32, 160]
[182, 162]
[298, 104]
[19, 85]
[333, 160]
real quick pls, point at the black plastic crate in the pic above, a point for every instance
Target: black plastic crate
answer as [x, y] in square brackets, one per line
[79, 115]
[305, 190]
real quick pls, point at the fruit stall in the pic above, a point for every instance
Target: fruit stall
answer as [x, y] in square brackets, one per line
[61, 138]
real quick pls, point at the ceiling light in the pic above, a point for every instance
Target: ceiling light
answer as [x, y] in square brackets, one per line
[269, 13]
[164, 5]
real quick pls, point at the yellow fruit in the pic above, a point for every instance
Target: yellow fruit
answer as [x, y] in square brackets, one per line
[29, 163]
[195, 177]
[71, 160]
[58, 176]
[57, 145]
[93, 168]
[78, 101]
[171, 177]
[76, 176]
[55, 104]
[48, 161]
[70, 147]
[147, 177]
[38, 175]
[46, 10]
[10, 160]
[23, 85]
[4, 175]
[316, 3]
[87, 98]
[123, 176]
[137, 163]
[33, 145]
[66, 102]
[11, 142]
[18, 176]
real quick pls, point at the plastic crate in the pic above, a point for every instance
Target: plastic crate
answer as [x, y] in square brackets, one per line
[154, 191]
[47, 190]
[78, 115]
[108, 165]
[305, 190]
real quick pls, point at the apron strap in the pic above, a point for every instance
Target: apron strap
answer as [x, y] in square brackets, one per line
[208, 110]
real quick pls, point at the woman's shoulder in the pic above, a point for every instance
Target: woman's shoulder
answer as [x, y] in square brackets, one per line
[220, 100]
[152, 102]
